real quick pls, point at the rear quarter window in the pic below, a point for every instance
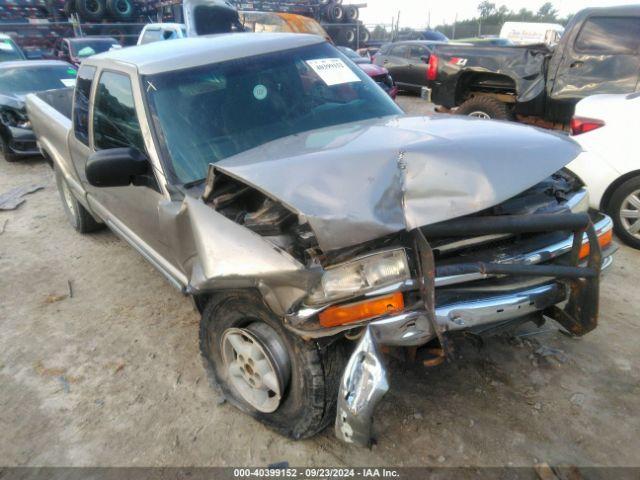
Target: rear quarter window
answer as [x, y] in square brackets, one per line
[81, 103]
[609, 35]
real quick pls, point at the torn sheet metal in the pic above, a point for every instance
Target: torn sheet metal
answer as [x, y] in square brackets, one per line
[15, 197]
[217, 253]
[360, 181]
[364, 383]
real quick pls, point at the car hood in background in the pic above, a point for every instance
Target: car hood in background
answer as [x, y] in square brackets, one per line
[14, 100]
[359, 181]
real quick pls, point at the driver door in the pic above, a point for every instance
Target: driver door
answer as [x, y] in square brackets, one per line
[132, 211]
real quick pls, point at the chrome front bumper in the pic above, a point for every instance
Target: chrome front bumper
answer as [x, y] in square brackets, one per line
[364, 380]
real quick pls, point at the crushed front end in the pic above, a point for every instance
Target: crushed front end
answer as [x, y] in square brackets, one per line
[478, 274]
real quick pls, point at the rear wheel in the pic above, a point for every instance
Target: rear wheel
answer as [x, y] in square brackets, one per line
[288, 384]
[486, 108]
[78, 216]
[624, 208]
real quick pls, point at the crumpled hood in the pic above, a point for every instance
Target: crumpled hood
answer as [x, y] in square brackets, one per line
[13, 100]
[359, 181]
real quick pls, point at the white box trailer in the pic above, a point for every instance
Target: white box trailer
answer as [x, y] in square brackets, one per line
[523, 33]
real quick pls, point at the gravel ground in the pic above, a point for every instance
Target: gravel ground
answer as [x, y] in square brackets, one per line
[111, 375]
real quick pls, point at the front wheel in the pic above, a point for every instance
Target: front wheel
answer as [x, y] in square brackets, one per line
[79, 218]
[289, 384]
[624, 208]
[487, 108]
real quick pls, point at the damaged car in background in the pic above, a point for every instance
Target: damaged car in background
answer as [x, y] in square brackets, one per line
[312, 222]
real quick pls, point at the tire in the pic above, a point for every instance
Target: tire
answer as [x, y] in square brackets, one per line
[120, 9]
[91, 10]
[365, 35]
[79, 218]
[308, 391]
[348, 36]
[8, 155]
[351, 13]
[620, 201]
[334, 12]
[69, 8]
[488, 106]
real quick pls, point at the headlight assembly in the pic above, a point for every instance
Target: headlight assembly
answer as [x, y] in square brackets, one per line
[362, 275]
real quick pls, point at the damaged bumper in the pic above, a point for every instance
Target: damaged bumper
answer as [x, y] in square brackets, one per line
[574, 285]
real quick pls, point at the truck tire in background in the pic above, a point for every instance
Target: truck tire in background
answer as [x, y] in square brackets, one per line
[351, 13]
[91, 10]
[69, 8]
[348, 36]
[79, 218]
[334, 12]
[364, 34]
[120, 9]
[289, 384]
[485, 107]
[622, 201]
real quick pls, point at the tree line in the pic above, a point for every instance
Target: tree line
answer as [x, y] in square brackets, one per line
[489, 20]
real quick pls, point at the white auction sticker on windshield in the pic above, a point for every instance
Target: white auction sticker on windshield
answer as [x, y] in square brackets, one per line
[68, 82]
[333, 71]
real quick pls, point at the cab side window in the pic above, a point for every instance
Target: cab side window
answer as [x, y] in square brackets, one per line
[400, 51]
[81, 103]
[417, 52]
[115, 123]
[609, 35]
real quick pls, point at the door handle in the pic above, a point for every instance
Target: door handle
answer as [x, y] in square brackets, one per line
[385, 61]
[576, 64]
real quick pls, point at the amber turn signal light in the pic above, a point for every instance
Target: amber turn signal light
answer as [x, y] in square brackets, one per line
[604, 240]
[354, 312]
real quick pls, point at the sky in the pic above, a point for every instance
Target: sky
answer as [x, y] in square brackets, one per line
[414, 13]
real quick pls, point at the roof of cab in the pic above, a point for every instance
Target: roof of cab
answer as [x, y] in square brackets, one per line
[169, 55]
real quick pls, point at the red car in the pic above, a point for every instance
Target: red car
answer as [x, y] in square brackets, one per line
[379, 74]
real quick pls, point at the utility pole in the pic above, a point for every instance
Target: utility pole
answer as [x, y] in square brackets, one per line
[455, 20]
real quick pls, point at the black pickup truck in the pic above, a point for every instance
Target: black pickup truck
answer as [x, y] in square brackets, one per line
[598, 53]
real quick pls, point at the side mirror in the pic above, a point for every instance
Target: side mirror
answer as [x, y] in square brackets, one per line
[425, 59]
[116, 167]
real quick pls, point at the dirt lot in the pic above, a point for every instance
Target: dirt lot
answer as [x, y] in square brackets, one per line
[111, 376]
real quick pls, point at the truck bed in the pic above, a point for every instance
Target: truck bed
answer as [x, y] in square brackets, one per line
[524, 64]
[50, 115]
[61, 100]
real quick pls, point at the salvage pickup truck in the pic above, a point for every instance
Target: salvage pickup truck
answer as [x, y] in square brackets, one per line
[599, 52]
[276, 184]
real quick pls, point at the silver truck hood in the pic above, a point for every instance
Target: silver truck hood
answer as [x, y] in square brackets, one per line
[359, 181]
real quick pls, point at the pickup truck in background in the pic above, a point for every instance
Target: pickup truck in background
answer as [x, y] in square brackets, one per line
[598, 53]
[312, 223]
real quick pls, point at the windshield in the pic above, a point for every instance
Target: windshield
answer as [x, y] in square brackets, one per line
[9, 51]
[36, 79]
[208, 113]
[86, 48]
